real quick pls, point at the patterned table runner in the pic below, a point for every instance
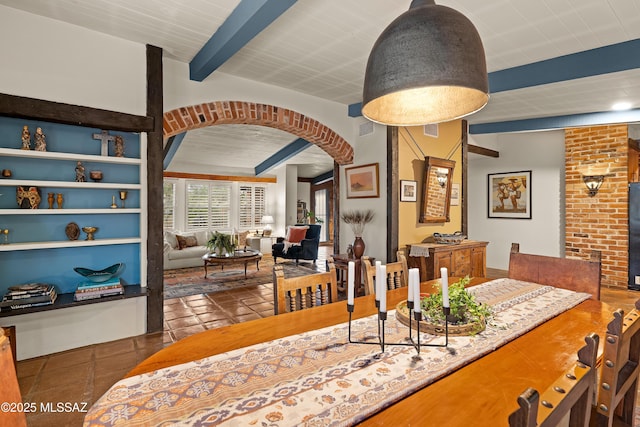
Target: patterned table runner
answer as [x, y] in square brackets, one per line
[317, 378]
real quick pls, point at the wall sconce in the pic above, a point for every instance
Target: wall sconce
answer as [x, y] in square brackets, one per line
[441, 176]
[593, 183]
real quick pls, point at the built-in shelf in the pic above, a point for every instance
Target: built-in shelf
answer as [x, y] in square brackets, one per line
[52, 155]
[69, 211]
[67, 300]
[67, 244]
[67, 184]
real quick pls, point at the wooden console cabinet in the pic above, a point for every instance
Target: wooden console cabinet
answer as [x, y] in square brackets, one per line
[466, 258]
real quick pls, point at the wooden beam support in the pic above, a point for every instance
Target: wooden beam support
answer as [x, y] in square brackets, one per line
[68, 114]
[155, 157]
[475, 149]
[210, 177]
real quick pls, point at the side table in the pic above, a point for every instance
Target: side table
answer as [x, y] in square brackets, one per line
[341, 262]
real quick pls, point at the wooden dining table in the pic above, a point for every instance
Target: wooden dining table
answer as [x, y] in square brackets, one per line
[481, 393]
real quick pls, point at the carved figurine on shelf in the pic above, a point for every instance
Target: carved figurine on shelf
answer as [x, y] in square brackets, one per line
[80, 176]
[119, 146]
[50, 199]
[28, 199]
[26, 138]
[40, 140]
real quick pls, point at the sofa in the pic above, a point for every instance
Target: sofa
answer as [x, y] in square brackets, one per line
[185, 248]
[186, 252]
[306, 248]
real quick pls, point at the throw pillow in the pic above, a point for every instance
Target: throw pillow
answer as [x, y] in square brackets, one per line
[295, 227]
[170, 237]
[186, 241]
[242, 239]
[296, 234]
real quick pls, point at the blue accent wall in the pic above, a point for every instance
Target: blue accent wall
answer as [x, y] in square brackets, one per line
[56, 265]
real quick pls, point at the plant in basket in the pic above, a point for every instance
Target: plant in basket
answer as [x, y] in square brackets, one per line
[221, 243]
[465, 310]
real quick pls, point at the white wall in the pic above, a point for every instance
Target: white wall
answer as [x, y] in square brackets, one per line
[46, 59]
[368, 149]
[543, 234]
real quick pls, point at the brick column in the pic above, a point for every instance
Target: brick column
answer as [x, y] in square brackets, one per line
[599, 222]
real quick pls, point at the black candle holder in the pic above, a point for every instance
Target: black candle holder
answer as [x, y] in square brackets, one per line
[415, 343]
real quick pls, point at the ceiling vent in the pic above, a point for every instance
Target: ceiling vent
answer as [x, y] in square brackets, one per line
[431, 130]
[366, 128]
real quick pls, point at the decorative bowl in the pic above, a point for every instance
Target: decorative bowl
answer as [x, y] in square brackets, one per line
[449, 239]
[103, 275]
[95, 175]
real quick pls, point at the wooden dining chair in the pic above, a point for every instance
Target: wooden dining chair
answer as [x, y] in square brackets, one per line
[567, 273]
[571, 395]
[369, 271]
[298, 293]
[618, 385]
[10, 389]
[397, 273]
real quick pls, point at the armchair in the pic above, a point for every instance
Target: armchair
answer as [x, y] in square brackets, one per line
[306, 250]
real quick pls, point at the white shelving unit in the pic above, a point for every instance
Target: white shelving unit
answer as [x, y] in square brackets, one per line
[66, 244]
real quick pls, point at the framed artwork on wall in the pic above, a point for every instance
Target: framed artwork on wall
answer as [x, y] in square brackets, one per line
[408, 191]
[363, 181]
[509, 195]
[455, 194]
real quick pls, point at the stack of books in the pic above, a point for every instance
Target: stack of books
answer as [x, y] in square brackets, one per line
[91, 290]
[28, 295]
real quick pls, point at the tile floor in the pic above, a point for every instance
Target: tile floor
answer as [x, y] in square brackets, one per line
[82, 375]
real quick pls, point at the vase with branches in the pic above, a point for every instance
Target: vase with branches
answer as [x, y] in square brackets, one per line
[357, 219]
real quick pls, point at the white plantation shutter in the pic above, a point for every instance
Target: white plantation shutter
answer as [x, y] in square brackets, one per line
[245, 213]
[259, 204]
[251, 206]
[197, 205]
[220, 206]
[169, 203]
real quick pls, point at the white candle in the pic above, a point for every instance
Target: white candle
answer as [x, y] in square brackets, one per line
[383, 290]
[444, 278]
[414, 276]
[410, 290]
[378, 280]
[350, 282]
[416, 288]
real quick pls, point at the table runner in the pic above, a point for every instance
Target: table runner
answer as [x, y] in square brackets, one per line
[317, 378]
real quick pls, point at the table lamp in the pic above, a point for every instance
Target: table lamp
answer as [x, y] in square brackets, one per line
[267, 220]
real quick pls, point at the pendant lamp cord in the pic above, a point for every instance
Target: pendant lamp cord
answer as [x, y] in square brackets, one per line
[451, 153]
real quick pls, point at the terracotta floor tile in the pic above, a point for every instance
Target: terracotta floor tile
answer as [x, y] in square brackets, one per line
[185, 332]
[218, 323]
[113, 348]
[247, 317]
[183, 322]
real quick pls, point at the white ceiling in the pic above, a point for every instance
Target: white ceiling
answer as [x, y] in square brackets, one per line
[321, 48]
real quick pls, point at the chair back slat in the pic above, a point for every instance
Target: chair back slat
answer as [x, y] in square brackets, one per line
[618, 385]
[570, 396]
[578, 275]
[299, 293]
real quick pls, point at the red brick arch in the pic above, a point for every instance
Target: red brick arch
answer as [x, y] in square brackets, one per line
[240, 112]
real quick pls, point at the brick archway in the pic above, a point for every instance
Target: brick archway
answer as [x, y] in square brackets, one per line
[240, 112]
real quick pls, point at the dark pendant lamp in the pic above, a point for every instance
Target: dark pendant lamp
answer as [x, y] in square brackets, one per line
[427, 66]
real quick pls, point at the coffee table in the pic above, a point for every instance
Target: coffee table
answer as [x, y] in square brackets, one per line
[241, 256]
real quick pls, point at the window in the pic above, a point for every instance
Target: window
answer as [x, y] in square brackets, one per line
[208, 205]
[169, 203]
[251, 206]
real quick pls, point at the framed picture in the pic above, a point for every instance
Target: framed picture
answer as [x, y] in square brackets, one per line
[408, 191]
[455, 194]
[363, 181]
[509, 195]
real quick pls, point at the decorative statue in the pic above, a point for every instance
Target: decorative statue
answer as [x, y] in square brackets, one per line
[119, 146]
[80, 177]
[26, 138]
[40, 141]
[28, 198]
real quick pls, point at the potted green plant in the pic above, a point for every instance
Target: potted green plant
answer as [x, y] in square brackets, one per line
[309, 215]
[465, 311]
[221, 243]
